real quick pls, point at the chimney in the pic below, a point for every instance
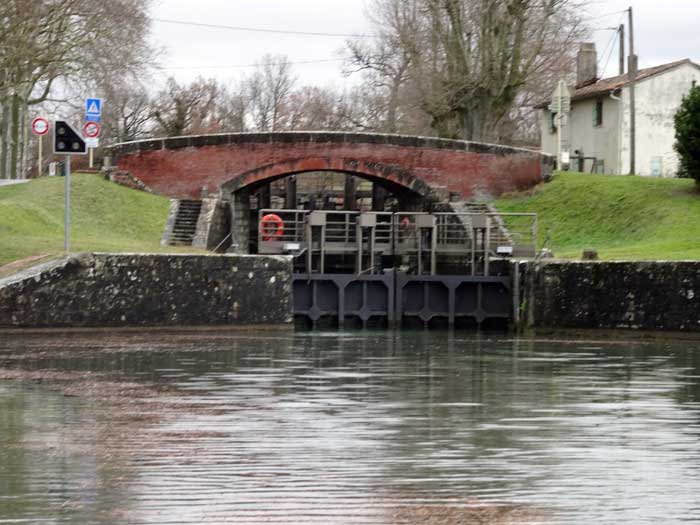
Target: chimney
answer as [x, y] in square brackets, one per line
[586, 65]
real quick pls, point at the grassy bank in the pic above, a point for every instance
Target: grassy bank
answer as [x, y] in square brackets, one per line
[104, 217]
[621, 217]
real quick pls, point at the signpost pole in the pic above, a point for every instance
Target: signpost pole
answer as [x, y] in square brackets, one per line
[67, 221]
[38, 167]
[67, 141]
[90, 156]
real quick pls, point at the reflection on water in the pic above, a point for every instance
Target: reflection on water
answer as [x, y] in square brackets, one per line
[346, 428]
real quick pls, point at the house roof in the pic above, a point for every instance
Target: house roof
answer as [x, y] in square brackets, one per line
[607, 85]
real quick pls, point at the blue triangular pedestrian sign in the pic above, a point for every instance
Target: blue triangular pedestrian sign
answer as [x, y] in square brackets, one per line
[93, 106]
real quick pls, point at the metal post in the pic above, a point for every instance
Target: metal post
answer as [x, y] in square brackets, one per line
[358, 240]
[66, 244]
[433, 249]
[90, 157]
[621, 34]
[632, 77]
[560, 120]
[475, 240]
[487, 242]
[535, 233]
[420, 250]
[323, 249]
[371, 249]
[41, 159]
[309, 248]
[515, 265]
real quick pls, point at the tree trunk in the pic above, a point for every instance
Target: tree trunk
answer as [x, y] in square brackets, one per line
[391, 125]
[14, 138]
[24, 143]
[4, 127]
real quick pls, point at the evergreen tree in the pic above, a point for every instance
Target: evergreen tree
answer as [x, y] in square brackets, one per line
[687, 122]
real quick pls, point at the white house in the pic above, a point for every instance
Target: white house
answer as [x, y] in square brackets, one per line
[598, 132]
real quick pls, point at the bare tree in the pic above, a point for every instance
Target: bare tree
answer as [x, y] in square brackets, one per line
[385, 63]
[44, 41]
[234, 108]
[268, 90]
[128, 113]
[466, 64]
[183, 110]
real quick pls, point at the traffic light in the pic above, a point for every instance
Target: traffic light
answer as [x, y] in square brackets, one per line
[66, 140]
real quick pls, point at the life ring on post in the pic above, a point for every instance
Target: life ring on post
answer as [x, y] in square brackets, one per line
[271, 227]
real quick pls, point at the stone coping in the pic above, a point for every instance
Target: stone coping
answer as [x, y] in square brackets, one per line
[84, 257]
[299, 137]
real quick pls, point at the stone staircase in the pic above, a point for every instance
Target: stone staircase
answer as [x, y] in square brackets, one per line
[499, 233]
[184, 225]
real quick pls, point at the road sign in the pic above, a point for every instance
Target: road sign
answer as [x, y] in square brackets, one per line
[91, 130]
[93, 106]
[40, 126]
[561, 105]
[561, 99]
[92, 142]
[66, 140]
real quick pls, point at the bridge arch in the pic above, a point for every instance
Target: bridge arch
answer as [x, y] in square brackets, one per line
[393, 178]
[181, 167]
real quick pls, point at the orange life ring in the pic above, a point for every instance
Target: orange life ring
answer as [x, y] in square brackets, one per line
[271, 227]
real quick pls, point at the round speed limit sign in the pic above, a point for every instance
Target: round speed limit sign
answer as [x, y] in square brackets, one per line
[40, 126]
[91, 130]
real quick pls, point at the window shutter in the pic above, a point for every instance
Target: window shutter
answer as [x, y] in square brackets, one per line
[595, 114]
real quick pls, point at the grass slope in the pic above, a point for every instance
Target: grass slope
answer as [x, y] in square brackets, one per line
[104, 217]
[621, 217]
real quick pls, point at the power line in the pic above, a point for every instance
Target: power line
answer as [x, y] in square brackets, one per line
[260, 30]
[612, 47]
[597, 17]
[236, 66]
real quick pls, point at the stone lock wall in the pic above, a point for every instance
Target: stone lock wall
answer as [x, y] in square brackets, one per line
[108, 290]
[654, 295]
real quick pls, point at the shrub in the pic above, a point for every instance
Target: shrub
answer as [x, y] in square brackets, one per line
[687, 122]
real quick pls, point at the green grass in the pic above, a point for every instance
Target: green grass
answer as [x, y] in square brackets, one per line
[104, 217]
[619, 216]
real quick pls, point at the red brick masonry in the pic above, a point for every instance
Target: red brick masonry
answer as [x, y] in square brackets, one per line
[181, 166]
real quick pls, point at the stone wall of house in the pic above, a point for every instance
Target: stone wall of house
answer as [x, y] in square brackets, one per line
[108, 290]
[657, 99]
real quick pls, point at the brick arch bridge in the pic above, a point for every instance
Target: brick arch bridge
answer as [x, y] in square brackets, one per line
[180, 167]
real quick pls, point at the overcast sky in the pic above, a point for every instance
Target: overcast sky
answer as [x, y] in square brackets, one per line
[664, 31]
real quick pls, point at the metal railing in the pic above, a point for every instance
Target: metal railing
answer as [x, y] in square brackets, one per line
[291, 238]
[478, 236]
[455, 231]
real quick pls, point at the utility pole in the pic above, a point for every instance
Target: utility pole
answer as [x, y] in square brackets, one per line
[632, 68]
[621, 34]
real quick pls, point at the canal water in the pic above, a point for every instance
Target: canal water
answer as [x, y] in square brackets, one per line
[413, 427]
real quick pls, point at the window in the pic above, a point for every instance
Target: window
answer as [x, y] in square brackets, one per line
[598, 113]
[552, 121]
